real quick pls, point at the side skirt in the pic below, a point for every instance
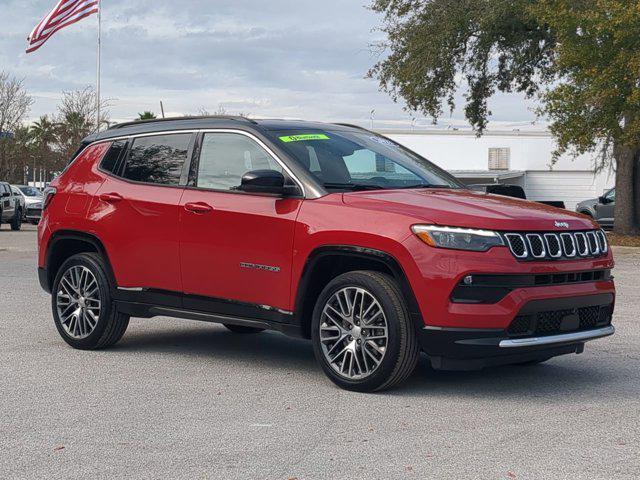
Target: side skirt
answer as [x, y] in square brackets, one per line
[149, 304]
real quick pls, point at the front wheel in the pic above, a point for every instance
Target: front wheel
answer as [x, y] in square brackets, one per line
[362, 334]
[83, 310]
[16, 222]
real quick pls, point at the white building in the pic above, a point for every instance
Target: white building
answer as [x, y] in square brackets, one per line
[510, 157]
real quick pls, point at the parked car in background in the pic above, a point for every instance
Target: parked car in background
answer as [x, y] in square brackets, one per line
[601, 209]
[21, 200]
[328, 232]
[10, 207]
[33, 203]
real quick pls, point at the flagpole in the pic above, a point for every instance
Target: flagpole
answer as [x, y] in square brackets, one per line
[98, 67]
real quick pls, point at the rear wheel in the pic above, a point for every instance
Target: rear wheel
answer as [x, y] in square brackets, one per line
[242, 329]
[362, 333]
[83, 310]
[16, 222]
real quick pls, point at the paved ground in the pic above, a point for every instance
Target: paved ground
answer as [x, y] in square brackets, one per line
[180, 399]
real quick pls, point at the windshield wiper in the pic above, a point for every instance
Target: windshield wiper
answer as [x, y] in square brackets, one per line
[353, 186]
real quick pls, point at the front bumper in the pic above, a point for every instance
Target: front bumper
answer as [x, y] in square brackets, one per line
[554, 327]
[33, 213]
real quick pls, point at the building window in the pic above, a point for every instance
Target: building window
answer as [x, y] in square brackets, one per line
[499, 158]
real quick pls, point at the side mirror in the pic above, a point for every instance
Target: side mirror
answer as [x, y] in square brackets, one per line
[266, 181]
[6, 194]
[604, 200]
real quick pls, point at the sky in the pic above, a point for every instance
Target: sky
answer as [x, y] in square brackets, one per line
[292, 59]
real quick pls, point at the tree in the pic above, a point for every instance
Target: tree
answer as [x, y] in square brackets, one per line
[580, 57]
[15, 103]
[146, 115]
[75, 119]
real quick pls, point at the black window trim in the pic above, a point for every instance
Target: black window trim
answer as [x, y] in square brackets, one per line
[195, 134]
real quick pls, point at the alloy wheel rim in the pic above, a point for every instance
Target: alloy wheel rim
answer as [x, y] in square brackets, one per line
[78, 302]
[353, 333]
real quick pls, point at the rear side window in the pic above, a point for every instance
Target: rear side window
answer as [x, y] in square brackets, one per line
[110, 161]
[158, 159]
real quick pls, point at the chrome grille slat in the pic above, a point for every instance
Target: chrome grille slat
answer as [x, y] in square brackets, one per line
[517, 245]
[602, 240]
[568, 245]
[553, 245]
[581, 242]
[594, 247]
[556, 245]
[536, 245]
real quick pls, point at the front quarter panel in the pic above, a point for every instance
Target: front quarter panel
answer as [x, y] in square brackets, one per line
[328, 222]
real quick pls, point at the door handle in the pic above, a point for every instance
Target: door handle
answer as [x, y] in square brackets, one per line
[111, 197]
[197, 207]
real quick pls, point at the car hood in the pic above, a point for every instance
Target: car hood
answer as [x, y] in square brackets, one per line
[467, 208]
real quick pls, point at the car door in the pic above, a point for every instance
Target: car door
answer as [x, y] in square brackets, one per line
[235, 248]
[605, 211]
[8, 202]
[136, 209]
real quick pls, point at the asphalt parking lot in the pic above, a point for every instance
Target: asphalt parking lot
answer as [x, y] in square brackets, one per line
[181, 399]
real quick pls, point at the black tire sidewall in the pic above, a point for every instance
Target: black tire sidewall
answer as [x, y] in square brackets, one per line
[16, 223]
[391, 304]
[94, 264]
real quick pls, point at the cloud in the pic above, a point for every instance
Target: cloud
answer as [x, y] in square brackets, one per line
[279, 58]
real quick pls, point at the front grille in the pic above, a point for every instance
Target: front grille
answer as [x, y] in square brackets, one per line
[554, 322]
[536, 245]
[556, 245]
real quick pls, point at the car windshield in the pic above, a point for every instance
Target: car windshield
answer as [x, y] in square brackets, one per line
[350, 160]
[30, 191]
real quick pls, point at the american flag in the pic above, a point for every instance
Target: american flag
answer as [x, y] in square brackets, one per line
[65, 13]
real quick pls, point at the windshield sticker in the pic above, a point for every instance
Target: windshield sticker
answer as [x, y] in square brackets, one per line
[304, 138]
[383, 141]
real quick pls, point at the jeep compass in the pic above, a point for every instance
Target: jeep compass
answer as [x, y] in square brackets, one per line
[322, 231]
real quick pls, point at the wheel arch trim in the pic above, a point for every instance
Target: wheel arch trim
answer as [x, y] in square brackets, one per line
[354, 251]
[64, 235]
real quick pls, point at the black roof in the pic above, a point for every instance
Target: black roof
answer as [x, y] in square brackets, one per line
[196, 123]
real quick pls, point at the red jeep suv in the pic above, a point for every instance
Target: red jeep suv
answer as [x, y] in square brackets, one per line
[327, 232]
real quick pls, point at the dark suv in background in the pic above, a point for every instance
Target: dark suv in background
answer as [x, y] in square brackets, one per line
[10, 207]
[601, 209]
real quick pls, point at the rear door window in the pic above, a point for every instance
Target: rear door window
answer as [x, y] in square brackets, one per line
[158, 159]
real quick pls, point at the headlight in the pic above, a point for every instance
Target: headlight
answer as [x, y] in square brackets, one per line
[458, 238]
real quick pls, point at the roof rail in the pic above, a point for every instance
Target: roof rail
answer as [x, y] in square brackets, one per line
[237, 118]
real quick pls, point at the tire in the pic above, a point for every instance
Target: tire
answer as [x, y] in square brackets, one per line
[241, 329]
[16, 222]
[110, 324]
[374, 292]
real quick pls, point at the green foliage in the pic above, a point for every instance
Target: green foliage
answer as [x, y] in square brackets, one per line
[491, 44]
[146, 115]
[581, 57]
[595, 101]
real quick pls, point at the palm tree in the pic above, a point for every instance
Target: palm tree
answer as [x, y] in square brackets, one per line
[43, 132]
[146, 115]
[44, 136]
